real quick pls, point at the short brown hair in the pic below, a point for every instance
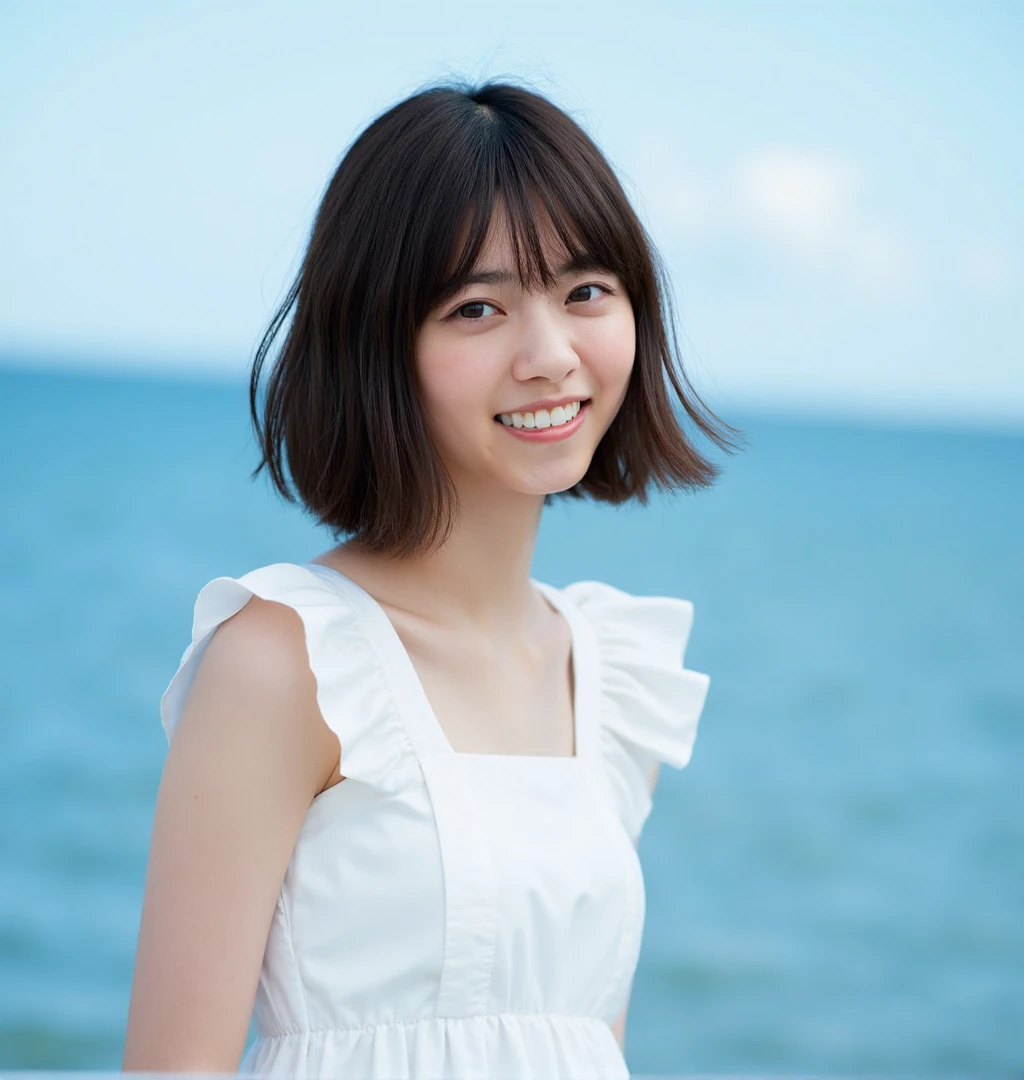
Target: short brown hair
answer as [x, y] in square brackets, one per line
[400, 225]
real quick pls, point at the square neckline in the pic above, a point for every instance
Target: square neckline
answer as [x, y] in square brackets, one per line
[408, 688]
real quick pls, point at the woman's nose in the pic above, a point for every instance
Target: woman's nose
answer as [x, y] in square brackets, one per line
[544, 347]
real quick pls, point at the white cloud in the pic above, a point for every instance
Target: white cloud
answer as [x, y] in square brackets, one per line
[808, 206]
[805, 209]
[802, 201]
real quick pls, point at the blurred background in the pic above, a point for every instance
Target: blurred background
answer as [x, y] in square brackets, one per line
[836, 881]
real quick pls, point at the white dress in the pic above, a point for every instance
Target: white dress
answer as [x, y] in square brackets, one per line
[460, 915]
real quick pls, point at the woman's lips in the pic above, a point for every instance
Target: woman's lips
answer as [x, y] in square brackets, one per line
[548, 434]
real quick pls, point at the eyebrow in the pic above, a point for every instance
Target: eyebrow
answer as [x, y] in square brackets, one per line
[577, 265]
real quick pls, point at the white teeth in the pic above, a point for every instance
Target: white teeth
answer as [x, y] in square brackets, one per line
[542, 418]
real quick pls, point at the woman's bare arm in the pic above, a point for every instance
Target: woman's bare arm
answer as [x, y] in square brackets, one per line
[249, 754]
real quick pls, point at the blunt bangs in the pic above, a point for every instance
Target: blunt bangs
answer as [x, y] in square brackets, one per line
[398, 232]
[535, 178]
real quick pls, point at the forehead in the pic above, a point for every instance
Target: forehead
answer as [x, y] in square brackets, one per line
[533, 256]
[499, 248]
[529, 241]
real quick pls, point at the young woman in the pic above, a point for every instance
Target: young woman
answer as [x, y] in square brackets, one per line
[401, 801]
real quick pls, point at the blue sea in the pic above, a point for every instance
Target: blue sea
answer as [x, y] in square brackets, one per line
[835, 884]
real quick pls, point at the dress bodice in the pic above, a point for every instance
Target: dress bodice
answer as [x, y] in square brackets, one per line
[447, 914]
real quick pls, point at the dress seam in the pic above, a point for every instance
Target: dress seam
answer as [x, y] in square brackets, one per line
[290, 938]
[627, 949]
[444, 1019]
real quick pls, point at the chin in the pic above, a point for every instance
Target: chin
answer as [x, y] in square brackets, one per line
[548, 485]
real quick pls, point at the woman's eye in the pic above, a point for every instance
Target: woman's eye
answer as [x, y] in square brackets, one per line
[583, 288]
[472, 311]
[475, 311]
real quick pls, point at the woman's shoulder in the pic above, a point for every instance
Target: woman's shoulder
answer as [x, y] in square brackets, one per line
[321, 634]
[651, 702]
[659, 620]
[633, 629]
[260, 631]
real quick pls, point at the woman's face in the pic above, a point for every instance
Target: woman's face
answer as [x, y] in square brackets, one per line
[495, 349]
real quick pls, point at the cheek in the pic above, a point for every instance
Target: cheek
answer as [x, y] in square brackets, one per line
[611, 349]
[453, 377]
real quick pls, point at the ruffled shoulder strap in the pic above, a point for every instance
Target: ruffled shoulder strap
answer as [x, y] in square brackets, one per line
[352, 693]
[650, 702]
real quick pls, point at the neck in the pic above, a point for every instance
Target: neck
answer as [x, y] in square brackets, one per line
[480, 577]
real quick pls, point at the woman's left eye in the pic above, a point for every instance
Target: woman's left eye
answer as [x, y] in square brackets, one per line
[583, 288]
[474, 306]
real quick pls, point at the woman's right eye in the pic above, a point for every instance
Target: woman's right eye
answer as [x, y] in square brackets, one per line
[472, 312]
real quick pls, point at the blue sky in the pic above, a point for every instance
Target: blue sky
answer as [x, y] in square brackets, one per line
[836, 188]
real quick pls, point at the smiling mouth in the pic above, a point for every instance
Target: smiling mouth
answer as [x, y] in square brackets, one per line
[583, 403]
